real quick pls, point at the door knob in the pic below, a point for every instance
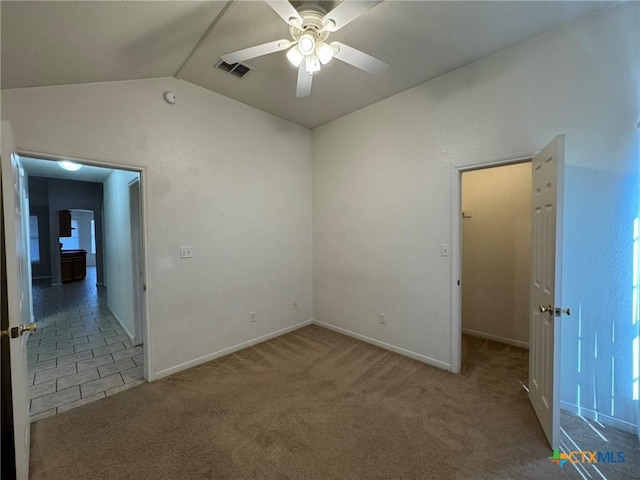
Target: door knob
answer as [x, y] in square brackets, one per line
[555, 310]
[15, 332]
[32, 327]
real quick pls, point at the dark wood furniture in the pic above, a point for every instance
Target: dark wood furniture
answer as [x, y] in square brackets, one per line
[65, 223]
[73, 265]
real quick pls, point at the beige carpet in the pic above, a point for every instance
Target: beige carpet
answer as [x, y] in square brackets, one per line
[312, 404]
[579, 434]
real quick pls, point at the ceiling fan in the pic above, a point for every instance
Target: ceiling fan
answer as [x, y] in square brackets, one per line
[310, 26]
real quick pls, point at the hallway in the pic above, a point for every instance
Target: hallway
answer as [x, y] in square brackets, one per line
[79, 352]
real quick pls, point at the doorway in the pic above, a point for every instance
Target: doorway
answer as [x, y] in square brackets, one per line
[496, 253]
[83, 235]
[91, 333]
[477, 173]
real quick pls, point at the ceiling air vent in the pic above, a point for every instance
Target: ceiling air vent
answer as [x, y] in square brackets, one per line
[236, 69]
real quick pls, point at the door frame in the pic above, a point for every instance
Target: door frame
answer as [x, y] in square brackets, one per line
[456, 247]
[139, 287]
[148, 372]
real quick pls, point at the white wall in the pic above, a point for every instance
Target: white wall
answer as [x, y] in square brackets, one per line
[229, 180]
[382, 180]
[496, 253]
[117, 244]
[597, 284]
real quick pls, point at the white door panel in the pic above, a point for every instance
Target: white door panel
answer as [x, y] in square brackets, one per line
[18, 296]
[544, 347]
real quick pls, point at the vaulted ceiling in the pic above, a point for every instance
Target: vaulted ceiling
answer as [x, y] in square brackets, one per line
[56, 43]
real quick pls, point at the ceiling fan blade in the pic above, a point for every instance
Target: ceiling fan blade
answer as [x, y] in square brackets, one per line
[303, 88]
[345, 13]
[257, 51]
[358, 59]
[286, 11]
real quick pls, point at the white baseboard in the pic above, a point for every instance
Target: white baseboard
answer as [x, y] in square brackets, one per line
[227, 351]
[496, 338]
[387, 346]
[122, 325]
[599, 417]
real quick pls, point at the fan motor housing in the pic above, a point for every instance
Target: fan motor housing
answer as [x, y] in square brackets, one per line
[312, 16]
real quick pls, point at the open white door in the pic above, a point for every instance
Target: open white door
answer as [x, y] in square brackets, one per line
[19, 306]
[546, 282]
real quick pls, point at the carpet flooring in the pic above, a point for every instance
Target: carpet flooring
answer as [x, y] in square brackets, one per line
[579, 434]
[312, 404]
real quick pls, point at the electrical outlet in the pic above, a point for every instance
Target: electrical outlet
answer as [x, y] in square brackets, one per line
[253, 316]
[295, 305]
[185, 252]
[382, 319]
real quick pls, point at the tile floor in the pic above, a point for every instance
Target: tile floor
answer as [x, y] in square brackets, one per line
[79, 352]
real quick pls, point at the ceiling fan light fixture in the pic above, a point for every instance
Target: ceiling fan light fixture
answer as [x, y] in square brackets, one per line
[310, 26]
[306, 44]
[294, 56]
[324, 52]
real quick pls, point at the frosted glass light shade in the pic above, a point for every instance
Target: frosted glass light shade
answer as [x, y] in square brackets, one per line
[294, 56]
[306, 44]
[324, 52]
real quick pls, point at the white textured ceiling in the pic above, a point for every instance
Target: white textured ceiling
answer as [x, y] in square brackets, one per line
[53, 43]
[48, 168]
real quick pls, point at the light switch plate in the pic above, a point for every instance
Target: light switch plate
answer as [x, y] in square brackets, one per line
[185, 252]
[445, 249]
